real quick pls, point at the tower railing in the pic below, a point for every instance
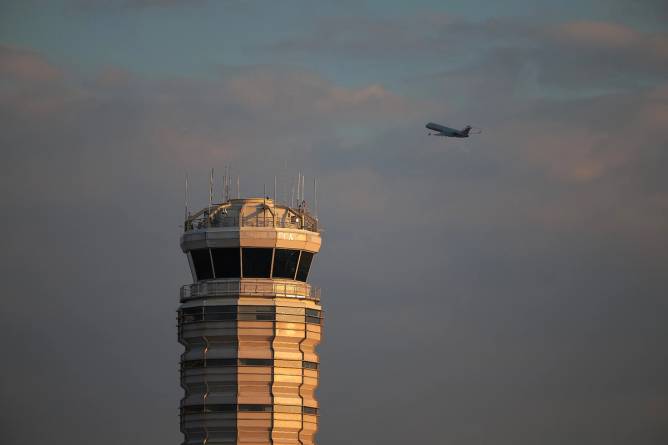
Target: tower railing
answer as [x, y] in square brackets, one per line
[267, 216]
[249, 287]
[307, 223]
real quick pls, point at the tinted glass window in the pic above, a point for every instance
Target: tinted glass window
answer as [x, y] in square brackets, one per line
[312, 316]
[208, 313]
[220, 408]
[189, 315]
[309, 410]
[220, 362]
[257, 313]
[257, 309]
[221, 435]
[193, 409]
[193, 310]
[257, 262]
[227, 313]
[285, 263]
[255, 362]
[202, 263]
[193, 364]
[209, 363]
[256, 317]
[256, 408]
[212, 309]
[226, 262]
[304, 266]
[220, 316]
[310, 365]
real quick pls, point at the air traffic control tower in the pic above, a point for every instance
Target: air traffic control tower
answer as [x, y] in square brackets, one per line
[250, 323]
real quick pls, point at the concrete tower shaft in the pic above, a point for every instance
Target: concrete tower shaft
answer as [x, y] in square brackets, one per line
[250, 324]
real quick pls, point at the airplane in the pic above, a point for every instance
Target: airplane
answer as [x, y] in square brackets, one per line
[447, 131]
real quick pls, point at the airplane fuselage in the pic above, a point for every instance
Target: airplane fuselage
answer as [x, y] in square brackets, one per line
[447, 131]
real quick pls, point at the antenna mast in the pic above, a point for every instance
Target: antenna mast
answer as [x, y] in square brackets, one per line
[226, 184]
[299, 183]
[186, 196]
[210, 190]
[315, 197]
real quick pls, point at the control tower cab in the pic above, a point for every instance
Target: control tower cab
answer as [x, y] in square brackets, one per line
[250, 323]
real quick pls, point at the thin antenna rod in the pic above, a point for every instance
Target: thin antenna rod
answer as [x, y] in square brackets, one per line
[227, 183]
[315, 197]
[186, 196]
[238, 191]
[210, 190]
[303, 179]
[286, 181]
[224, 183]
[299, 182]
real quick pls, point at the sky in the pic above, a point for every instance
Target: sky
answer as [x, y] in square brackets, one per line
[506, 289]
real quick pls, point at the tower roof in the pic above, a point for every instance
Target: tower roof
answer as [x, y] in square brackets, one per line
[252, 212]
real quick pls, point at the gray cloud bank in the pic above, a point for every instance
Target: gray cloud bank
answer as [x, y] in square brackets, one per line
[510, 289]
[572, 55]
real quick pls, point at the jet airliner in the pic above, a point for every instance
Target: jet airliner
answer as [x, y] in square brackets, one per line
[447, 131]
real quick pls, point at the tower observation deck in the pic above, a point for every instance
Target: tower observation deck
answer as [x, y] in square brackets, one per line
[250, 323]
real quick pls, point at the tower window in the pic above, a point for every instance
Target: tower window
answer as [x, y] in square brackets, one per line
[304, 265]
[309, 365]
[226, 262]
[257, 262]
[285, 263]
[313, 316]
[209, 363]
[219, 408]
[257, 313]
[255, 408]
[219, 313]
[255, 362]
[202, 264]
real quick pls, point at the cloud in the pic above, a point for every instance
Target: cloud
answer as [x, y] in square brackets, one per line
[646, 10]
[155, 6]
[31, 84]
[598, 34]
[265, 89]
[135, 4]
[526, 264]
[129, 122]
[27, 66]
[578, 55]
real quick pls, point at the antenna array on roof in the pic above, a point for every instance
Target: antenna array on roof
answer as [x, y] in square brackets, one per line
[297, 191]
